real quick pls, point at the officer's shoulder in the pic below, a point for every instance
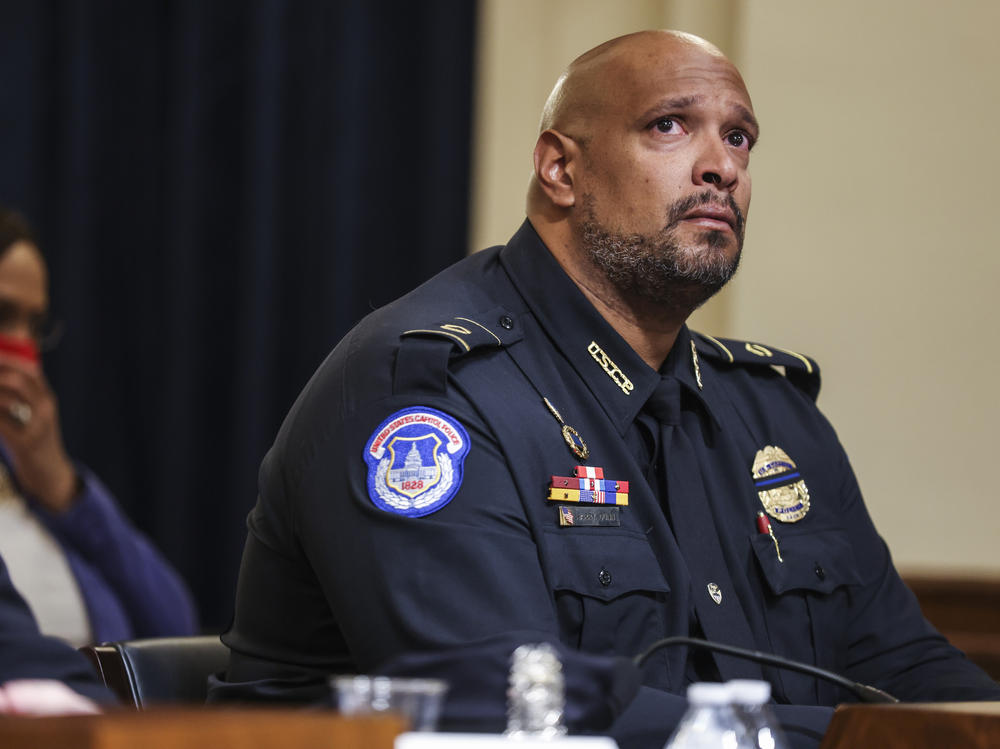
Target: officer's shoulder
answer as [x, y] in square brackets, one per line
[411, 345]
[800, 370]
[456, 317]
[429, 346]
[462, 290]
[461, 308]
[467, 331]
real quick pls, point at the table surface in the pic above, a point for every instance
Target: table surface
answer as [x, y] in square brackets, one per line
[174, 728]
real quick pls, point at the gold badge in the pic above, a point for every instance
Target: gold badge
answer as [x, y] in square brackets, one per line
[779, 485]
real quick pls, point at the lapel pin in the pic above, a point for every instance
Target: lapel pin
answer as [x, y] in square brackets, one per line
[572, 437]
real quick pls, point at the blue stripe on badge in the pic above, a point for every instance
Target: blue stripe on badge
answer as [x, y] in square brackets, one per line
[782, 479]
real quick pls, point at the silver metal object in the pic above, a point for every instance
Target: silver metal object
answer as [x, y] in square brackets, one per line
[536, 693]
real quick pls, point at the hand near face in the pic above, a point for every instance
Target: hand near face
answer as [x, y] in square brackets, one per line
[29, 427]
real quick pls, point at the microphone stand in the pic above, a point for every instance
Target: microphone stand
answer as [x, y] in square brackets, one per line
[863, 692]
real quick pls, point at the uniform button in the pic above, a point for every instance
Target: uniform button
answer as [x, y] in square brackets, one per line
[506, 322]
[820, 572]
[604, 577]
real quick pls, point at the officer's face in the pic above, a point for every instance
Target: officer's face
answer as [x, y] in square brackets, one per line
[665, 161]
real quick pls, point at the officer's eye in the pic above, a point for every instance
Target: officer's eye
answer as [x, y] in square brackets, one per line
[667, 125]
[740, 139]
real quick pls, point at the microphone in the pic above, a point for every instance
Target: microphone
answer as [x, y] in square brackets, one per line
[863, 692]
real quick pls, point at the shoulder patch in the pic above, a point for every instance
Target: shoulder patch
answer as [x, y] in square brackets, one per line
[802, 371]
[415, 460]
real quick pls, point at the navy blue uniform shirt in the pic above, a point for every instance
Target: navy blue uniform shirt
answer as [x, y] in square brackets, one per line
[332, 581]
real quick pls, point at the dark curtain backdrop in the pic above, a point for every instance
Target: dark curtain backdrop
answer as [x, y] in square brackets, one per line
[222, 189]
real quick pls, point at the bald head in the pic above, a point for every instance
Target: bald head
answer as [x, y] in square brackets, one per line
[595, 76]
[606, 92]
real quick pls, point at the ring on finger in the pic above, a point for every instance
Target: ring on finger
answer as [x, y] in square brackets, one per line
[20, 412]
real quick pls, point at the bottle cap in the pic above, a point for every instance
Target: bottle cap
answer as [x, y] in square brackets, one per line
[708, 693]
[749, 691]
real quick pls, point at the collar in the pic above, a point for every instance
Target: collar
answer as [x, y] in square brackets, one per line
[683, 364]
[616, 375]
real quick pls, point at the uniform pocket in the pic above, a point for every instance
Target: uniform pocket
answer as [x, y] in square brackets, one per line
[609, 590]
[819, 561]
[807, 601]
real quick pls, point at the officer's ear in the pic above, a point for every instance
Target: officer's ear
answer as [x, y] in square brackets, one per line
[556, 159]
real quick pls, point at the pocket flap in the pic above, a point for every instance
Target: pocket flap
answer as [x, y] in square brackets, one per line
[820, 560]
[603, 565]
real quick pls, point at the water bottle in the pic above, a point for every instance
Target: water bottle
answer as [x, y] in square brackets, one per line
[536, 695]
[710, 721]
[750, 701]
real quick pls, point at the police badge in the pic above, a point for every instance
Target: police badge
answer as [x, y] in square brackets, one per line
[779, 485]
[415, 460]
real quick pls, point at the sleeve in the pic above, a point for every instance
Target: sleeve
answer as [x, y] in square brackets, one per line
[889, 642]
[152, 593]
[463, 574]
[27, 654]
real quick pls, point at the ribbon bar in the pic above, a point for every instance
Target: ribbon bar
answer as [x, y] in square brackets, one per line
[592, 496]
[585, 484]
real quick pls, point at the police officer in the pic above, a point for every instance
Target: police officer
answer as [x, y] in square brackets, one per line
[532, 446]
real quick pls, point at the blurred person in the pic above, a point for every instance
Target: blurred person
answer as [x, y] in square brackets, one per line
[40, 675]
[86, 572]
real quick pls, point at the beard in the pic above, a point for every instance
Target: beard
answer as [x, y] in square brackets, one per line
[661, 268]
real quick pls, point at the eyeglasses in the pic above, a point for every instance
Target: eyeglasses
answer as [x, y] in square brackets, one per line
[45, 331]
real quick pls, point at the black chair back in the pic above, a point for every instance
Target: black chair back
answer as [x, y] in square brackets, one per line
[162, 670]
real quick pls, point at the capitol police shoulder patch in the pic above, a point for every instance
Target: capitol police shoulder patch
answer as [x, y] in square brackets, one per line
[415, 460]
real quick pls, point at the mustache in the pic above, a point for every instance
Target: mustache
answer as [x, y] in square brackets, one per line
[684, 206]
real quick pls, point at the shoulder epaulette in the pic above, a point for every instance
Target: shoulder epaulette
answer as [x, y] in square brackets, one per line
[425, 350]
[495, 328]
[800, 370]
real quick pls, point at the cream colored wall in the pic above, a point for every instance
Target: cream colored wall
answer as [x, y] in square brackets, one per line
[871, 243]
[874, 247]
